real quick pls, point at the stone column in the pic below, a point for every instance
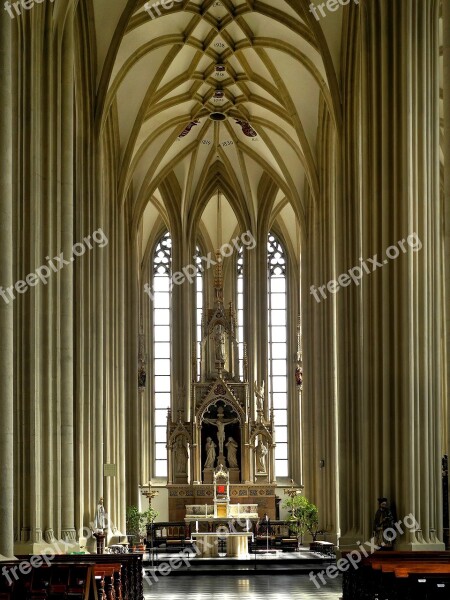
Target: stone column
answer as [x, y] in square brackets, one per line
[319, 322]
[446, 84]
[391, 444]
[133, 429]
[6, 309]
[67, 288]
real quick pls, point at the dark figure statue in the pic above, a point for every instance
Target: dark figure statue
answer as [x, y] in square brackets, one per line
[383, 520]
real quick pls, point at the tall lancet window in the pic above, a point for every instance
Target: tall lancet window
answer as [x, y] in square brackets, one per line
[199, 307]
[162, 270]
[277, 351]
[240, 308]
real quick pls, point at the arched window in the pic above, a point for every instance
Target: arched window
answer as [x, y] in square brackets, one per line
[240, 308]
[277, 351]
[162, 272]
[199, 289]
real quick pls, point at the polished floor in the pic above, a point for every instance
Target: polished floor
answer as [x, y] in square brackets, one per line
[260, 587]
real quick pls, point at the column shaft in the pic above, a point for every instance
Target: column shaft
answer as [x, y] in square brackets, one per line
[67, 287]
[446, 149]
[395, 409]
[6, 309]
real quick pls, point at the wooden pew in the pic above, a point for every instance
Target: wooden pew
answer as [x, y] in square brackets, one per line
[56, 581]
[418, 575]
[108, 578]
[127, 582]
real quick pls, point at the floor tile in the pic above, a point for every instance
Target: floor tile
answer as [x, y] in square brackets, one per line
[257, 587]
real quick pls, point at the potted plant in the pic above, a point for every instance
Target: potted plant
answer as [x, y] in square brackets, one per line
[134, 522]
[149, 516]
[304, 517]
[137, 523]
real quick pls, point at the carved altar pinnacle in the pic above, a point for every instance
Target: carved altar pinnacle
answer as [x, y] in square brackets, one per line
[218, 279]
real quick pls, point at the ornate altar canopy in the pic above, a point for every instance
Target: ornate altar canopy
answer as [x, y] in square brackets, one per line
[228, 431]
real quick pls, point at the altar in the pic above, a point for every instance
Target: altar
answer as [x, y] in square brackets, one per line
[226, 522]
[206, 512]
[208, 544]
[230, 425]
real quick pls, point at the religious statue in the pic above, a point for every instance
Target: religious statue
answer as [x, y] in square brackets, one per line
[263, 526]
[383, 520]
[259, 393]
[298, 376]
[181, 456]
[142, 377]
[220, 423]
[219, 337]
[232, 447]
[100, 517]
[261, 453]
[210, 453]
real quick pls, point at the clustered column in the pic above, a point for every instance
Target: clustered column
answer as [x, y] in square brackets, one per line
[395, 400]
[6, 310]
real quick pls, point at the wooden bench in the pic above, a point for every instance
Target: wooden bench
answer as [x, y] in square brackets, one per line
[55, 581]
[169, 537]
[121, 572]
[108, 580]
[391, 574]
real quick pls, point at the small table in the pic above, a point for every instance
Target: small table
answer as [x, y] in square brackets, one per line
[237, 543]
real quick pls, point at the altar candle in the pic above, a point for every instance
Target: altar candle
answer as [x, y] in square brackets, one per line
[196, 526]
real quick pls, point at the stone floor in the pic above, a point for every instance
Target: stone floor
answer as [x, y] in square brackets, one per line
[258, 587]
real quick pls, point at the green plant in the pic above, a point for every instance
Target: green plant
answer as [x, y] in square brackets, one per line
[304, 516]
[312, 520]
[133, 521]
[149, 515]
[136, 521]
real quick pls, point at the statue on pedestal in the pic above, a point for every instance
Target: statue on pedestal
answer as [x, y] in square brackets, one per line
[181, 456]
[100, 517]
[383, 520]
[232, 447]
[261, 453]
[219, 337]
[259, 393]
[210, 453]
[100, 525]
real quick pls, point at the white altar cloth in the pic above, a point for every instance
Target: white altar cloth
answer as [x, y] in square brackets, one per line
[208, 543]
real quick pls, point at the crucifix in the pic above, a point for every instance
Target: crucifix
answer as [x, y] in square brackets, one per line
[220, 423]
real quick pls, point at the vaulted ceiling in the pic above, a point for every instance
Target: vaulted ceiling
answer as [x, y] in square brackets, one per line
[270, 70]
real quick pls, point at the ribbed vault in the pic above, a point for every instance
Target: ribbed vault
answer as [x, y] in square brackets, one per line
[265, 66]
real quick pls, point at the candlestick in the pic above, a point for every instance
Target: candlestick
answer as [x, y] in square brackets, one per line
[150, 493]
[294, 491]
